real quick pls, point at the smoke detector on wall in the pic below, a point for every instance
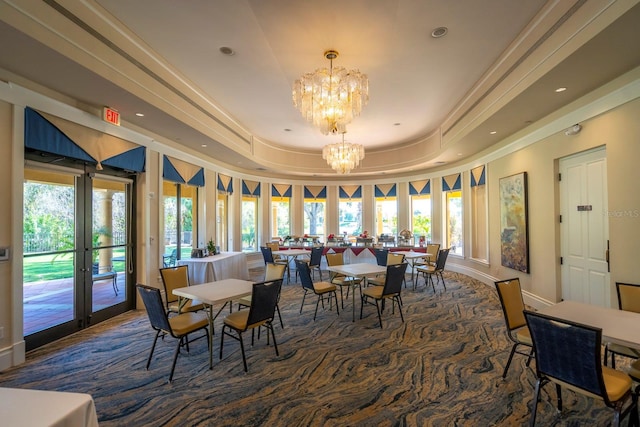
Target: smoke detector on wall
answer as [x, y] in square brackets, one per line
[573, 130]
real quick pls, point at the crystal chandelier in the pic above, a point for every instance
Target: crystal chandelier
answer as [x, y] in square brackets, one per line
[343, 156]
[331, 98]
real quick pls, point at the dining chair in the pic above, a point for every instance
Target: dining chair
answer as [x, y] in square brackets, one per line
[390, 290]
[392, 259]
[173, 278]
[178, 326]
[435, 270]
[381, 255]
[272, 272]
[568, 354]
[321, 289]
[340, 280]
[315, 260]
[628, 300]
[264, 299]
[510, 295]
[267, 256]
[170, 259]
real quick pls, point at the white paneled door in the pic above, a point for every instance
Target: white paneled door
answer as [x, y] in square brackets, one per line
[585, 228]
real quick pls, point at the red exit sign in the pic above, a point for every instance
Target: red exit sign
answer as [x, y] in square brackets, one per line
[111, 116]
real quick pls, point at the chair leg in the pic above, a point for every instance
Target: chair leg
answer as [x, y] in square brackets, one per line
[222, 340]
[153, 347]
[506, 368]
[273, 335]
[317, 303]
[175, 358]
[303, 297]
[398, 300]
[559, 397]
[536, 397]
[444, 285]
[335, 296]
[279, 316]
[379, 315]
[244, 358]
[341, 298]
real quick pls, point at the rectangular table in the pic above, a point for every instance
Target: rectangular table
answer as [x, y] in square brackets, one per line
[22, 407]
[360, 270]
[225, 265]
[618, 326]
[212, 293]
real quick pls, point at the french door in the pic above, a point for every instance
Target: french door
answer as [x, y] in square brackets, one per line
[78, 262]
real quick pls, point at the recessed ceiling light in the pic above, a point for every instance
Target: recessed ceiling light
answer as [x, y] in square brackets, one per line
[140, 114]
[396, 124]
[459, 154]
[204, 145]
[439, 32]
[287, 130]
[227, 51]
[561, 89]
[440, 163]
[493, 132]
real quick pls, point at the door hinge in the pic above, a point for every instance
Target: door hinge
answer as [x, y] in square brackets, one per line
[559, 177]
[561, 219]
[561, 260]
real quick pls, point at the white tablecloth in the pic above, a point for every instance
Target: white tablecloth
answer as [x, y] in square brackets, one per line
[226, 265]
[35, 408]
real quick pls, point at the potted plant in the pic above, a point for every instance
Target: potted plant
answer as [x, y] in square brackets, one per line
[211, 247]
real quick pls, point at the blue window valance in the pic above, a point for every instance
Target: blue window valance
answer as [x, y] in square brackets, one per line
[385, 190]
[225, 184]
[350, 191]
[175, 170]
[250, 188]
[420, 188]
[478, 176]
[452, 182]
[281, 190]
[315, 192]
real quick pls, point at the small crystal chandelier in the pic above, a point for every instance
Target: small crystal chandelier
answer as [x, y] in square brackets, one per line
[343, 156]
[331, 98]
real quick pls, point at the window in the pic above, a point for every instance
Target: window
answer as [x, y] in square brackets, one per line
[224, 187]
[250, 194]
[280, 210]
[350, 210]
[452, 194]
[420, 192]
[180, 218]
[314, 210]
[386, 209]
[249, 224]
[478, 198]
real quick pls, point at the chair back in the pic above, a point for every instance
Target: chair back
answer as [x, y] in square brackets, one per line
[267, 254]
[432, 251]
[155, 309]
[568, 352]
[275, 246]
[264, 298]
[443, 254]
[274, 272]
[305, 275]
[381, 256]
[173, 278]
[393, 279]
[335, 259]
[628, 296]
[393, 259]
[316, 256]
[510, 295]
[170, 260]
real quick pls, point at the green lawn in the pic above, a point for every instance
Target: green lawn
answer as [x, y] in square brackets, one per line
[51, 267]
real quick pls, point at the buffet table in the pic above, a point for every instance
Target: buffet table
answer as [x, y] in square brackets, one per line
[22, 407]
[225, 265]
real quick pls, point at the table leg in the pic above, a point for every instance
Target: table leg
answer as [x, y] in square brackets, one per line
[210, 316]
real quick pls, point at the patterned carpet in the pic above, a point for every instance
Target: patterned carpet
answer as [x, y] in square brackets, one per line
[442, 367]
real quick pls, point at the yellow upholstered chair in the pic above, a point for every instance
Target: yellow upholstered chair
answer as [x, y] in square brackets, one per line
[338, 279]
[321, 289]
[178, 326]
[392, 259]
[390, 290]
[428, 271]
[272, 272]
[264, 299]
[510, 295]
[628, 300]
[173, 278]
[568, 354]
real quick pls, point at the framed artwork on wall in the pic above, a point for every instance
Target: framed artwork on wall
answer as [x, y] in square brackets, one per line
[514, 229]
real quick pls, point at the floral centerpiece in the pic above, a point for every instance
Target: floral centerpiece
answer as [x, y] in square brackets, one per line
[331, 236]
[364, 234]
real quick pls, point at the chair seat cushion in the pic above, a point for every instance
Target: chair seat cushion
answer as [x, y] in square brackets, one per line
[374, 292]
[616, 382]
[185, 323]
[245, 301]
[428, 269]
[324, 287]
[524, 336]
[377, 281]
[238, 320]
[345, 281]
